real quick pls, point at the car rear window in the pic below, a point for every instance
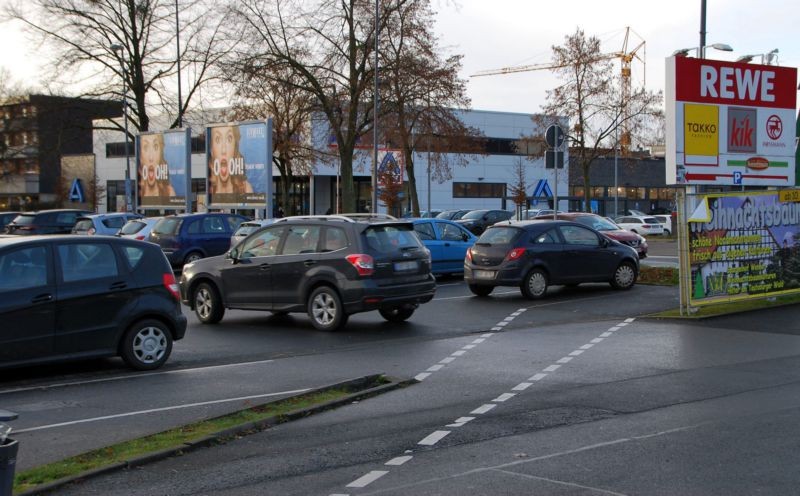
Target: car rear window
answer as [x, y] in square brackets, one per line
[84, 225]
[25, 219]
[168, 226]
[114, 222]
[390, 239]
[651, 220]
[499, 235]
[132, 227]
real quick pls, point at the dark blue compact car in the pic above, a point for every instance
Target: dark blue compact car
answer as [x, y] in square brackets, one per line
[187, 238]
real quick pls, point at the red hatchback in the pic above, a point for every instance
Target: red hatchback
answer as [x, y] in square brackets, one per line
[606, 227]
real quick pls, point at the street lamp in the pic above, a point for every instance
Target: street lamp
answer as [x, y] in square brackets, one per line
[117, 48]
[766, 58]
[684, 52]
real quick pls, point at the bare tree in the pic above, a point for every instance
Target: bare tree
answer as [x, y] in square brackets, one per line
[330, 47]
[592, 99]
[423, 96]
[518, 190]
[98, 43]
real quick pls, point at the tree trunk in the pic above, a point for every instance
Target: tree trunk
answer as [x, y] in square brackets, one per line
[348, 195]
[587, 188]
[286, 186]
[408, 156]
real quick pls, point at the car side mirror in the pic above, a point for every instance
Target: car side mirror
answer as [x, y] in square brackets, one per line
[233, 255]
[464, 237]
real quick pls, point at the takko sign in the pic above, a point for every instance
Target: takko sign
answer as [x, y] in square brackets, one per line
[726, 121]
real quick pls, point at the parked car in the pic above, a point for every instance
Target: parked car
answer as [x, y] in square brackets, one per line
[448, 243]
[59, 221]
[247, 228]
[6, 218]
[478, 220]
[666, 223]
[138, 229]
[186, 238]
[452, 214]
[76, 297]
[607, 227]
[534, 255]
[102, 224]
[423, 214]
[640, 224]
[329, 267]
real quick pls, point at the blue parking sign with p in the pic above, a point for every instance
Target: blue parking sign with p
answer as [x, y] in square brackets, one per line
[737, 178]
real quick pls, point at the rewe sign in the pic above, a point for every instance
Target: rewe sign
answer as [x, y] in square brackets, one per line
[725, 123]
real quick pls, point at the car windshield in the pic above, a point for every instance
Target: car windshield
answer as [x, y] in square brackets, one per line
[447, 214]
[132, 227]
[475, 214]
[597, 223]
[168, 226]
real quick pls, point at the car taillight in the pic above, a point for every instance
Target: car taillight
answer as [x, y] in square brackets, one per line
[469, 255]
[172, 285]
[140, 237]
[364, 264]
[515, 253]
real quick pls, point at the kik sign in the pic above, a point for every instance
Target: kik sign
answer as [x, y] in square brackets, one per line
[725, 123]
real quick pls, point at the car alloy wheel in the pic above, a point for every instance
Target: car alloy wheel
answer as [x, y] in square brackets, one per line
[624, 276]
[192, 257]
[147, 345]
[535, 284]
[325, 309]
[207, 304]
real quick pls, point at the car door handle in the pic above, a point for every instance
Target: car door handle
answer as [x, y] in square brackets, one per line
[309, 263]
[118, 285]
[42, 298]
[264, 266]
[447, 244]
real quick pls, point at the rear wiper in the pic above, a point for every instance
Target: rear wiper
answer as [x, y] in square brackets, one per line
[407, 248]
[484, 244]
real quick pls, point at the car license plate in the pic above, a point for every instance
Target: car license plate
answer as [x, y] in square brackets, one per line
[405, 266]
[483, 274]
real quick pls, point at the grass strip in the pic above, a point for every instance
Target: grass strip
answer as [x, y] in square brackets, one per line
[719, 309]
[170, 439]
[659, 276]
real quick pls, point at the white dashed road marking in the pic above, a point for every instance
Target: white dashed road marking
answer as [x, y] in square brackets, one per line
[368, 479]
[482, 409]
[504, 397]
[396, 462]
[434, 438]
[522, 386]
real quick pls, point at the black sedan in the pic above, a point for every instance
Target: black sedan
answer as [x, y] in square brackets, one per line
[478, 220]
[533, 255]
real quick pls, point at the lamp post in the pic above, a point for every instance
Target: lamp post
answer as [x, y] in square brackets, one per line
[374, 199]
[178, 41]
[766, 58]
[129, 207]
[701, 51]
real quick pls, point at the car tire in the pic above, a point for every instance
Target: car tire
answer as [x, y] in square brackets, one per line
[396, 314]
[666, 232]
[325, 309]
[146, 345]
[192, 256]
[534, 286]
[481, 290]
[624, 276]
[207, 304]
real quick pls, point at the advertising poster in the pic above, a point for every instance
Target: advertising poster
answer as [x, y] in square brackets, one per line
[730, 123]
[239, 157]
[163, 169]
[744, 245]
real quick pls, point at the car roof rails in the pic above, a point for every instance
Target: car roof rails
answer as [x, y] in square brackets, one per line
[369, 216]
[339, 217]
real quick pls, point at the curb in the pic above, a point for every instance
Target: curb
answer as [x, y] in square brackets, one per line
[240, 430]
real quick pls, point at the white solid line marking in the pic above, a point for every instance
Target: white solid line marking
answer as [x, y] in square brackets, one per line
[338, 494]
[538, 377]
[368, 479]
[586, 346]
[605, 335]
[458, 353]
[478, 411]
[522, 386]
[552, 368]
[487, 335]
[630, 320]
[596, 340]
[156, 410]
[504, 397]
[614, 329]
[447, 360]
[396, 462]
[132, 376]
[471, 296]
[434, 368]
[422, 376]
[433, 438]
[468, 346]
[566, 359]
[479, 341]
[576, 352]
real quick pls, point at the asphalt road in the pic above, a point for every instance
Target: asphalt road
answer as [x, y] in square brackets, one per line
[574, 394]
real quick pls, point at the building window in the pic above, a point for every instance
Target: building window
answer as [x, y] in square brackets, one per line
[116, 150]
[199, 144]
[479, 190]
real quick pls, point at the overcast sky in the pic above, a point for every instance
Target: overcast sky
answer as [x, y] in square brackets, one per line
[499, 33]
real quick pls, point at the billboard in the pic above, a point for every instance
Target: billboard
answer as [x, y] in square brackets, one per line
[163, 168]
[239, 158]
[730, 123]
[744, 245]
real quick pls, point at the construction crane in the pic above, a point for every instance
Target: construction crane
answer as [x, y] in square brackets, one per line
[626, 59]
